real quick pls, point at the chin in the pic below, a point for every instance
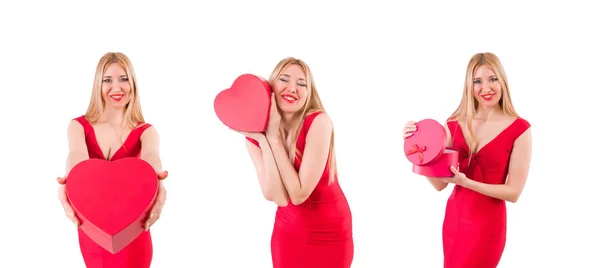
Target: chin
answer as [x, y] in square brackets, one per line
[489, 104]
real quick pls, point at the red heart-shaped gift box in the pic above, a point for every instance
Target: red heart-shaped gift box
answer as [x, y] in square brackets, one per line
[245, 105]
[426, 149]
[112, 199]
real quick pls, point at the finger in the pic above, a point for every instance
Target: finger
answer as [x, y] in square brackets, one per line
[409, 130]
[61, 180]
[71, 215]
[454, 170]
[62, 195]
[151, 220]
[76, 221]
[163, 175]
[407, 135]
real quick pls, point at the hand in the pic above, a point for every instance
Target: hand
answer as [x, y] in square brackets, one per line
[458, 179]
[62, 196]
[274, 119]
[161, 197]
[409, 128]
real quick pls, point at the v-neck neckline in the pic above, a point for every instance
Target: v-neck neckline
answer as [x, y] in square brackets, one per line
[100, 148]
[488, 143]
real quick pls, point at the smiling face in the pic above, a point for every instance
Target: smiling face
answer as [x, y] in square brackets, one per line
[486, 87]
[116, 89]
[290, 89]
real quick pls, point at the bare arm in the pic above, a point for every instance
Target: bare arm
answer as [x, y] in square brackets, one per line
[438, 183]
[150, 151]
[77, 148]
[300, 184]
[517, 173]
[267, 172]
[150, 148]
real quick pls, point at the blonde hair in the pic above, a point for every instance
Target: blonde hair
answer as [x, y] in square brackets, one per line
[133, 109]
[468, 105]
[313, 104]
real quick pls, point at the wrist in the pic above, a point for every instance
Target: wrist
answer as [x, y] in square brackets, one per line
[467, 183]
[273, 137]
[262, 140]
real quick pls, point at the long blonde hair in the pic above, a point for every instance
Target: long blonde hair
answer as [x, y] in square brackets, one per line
[133, 109]
[468, 105]
[313, 104]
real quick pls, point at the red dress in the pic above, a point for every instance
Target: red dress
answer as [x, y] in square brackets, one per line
[138, 254]
[474, 231]
[318, 232]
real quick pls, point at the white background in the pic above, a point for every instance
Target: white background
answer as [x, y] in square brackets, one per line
[375, 66]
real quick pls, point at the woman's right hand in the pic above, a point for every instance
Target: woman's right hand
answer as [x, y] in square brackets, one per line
[409, 128]
[62, 197]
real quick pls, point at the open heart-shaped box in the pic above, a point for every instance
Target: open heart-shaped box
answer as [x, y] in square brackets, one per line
[112, 199]
[426, 150]
[245, 105]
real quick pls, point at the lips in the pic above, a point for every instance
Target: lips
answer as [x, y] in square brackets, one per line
[289, 98]
[488, 97]
[116, 97]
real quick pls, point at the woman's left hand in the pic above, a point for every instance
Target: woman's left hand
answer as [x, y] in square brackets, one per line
[274, 119]
[158, 203]
[458, 179]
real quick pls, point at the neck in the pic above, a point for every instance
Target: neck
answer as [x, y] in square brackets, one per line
[113, 116]
[487, 113]
[287, 119]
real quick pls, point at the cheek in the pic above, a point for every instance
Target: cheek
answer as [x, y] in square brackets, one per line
[497, 88]
[477, 89]
[105, 90]
[126, 88]
[278, 87]
[303, 93]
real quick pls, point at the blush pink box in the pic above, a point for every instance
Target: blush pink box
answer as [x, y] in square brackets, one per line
[426, 150]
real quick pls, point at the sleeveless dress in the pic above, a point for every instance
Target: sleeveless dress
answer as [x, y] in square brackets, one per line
[318, 232]
[138, 254]
[474, 229]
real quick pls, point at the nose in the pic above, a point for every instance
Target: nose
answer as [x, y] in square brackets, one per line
[485, 86]
[115, 85]
[292, 88]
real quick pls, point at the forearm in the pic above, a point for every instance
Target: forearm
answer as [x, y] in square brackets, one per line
[499, 191]
[273, 188]
[74, 158]
[437, 183]
[289, 176]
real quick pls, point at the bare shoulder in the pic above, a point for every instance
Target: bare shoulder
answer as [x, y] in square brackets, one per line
[75, 129]
[323, 120]
[74, 125]
[321, 127]
[149, 132]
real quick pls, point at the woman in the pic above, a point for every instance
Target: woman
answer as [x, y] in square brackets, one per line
[113, 128]
[295, 165]
[494, 146]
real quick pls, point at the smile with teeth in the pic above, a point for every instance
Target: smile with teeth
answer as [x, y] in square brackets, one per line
[117, 97]
[289, 98]
[487, 97]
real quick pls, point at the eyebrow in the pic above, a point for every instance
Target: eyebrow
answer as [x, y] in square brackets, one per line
[488, 77]
[108, 76]
[286, 75]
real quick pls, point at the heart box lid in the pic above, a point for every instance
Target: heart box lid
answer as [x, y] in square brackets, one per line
[253, 90]
[427, 144]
